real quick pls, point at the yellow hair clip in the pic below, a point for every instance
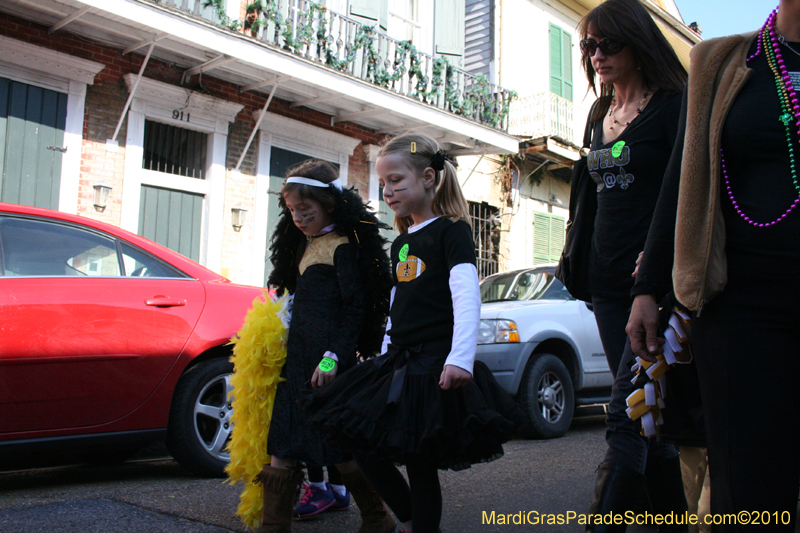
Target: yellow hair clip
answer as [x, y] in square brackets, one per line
[413, 147]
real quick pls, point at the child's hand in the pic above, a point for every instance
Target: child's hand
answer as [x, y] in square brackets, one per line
[453, 377]
[321, 378]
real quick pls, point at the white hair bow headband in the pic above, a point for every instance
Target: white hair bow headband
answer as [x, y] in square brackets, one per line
[314, 183]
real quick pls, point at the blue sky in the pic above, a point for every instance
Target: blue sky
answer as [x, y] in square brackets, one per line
[726, 17]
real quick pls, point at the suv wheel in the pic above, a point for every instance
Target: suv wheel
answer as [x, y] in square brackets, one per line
[547, 396]
[200, 418]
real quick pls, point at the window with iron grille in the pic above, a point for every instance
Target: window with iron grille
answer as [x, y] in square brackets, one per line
[174, 150]
[486, 234]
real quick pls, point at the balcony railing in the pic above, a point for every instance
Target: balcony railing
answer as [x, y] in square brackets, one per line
[315, 33]
[545, 115]
[198, 8]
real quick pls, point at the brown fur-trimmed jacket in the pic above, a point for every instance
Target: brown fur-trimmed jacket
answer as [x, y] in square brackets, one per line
[717, 73]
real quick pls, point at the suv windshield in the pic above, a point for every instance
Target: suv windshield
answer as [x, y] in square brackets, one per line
[524, 285]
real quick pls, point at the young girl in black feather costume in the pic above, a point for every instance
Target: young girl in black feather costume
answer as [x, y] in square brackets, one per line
[327, 251]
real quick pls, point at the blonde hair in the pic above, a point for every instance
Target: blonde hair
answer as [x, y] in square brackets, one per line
[448, 200]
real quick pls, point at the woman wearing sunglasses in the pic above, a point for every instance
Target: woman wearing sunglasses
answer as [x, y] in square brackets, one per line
[633, 127]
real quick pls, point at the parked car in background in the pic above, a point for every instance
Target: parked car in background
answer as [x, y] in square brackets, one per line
[109, 341]
[543, 347]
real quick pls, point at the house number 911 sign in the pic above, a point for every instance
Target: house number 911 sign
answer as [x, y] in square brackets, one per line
[180, 115]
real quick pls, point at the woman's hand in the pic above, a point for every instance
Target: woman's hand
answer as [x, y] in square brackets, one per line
[643, 328]
[321, 378]
[638, 262]
[453, 377]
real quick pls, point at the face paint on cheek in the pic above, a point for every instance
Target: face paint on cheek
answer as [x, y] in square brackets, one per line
[309, 217]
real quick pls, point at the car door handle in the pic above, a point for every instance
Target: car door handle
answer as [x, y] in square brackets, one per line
[164, 301]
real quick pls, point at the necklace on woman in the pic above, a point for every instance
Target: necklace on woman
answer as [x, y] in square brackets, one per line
[638, 112]
[790, 110]
[783, 41]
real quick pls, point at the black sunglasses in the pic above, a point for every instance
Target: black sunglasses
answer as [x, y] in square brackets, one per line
[608, 46]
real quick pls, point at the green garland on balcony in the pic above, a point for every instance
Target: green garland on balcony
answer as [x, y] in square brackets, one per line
[254, 20]
[222, 15]
[479, 101]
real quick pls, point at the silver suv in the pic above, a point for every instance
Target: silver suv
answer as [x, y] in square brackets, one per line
[543, 347]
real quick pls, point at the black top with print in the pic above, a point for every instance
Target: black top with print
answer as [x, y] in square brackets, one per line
[628, 171]
[422, 309]
[756, 154]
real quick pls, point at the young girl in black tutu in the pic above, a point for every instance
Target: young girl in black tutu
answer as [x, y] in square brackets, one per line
[425, 402]
[328, 252]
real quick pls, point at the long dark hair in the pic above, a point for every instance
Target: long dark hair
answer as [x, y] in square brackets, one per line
[354, 220]
[630, 22]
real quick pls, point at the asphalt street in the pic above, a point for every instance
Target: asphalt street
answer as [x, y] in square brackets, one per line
[156, 496]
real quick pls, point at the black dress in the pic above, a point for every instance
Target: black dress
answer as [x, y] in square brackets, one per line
[392, 406]
[327, 314]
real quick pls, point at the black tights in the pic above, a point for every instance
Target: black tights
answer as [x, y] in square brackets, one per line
[315, 475]
[421, 503]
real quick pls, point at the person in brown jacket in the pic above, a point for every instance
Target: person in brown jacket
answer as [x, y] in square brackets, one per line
[728, 212]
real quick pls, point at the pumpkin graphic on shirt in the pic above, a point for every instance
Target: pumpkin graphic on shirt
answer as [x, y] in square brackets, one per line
[410, 269]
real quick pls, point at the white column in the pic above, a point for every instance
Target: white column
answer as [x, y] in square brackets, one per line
[374, 187]
[73, 142]
[132, 181]
[211, 245]
[261, 210]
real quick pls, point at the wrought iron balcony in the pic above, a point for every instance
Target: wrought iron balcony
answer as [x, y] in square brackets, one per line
[315, 33]
[546, 115]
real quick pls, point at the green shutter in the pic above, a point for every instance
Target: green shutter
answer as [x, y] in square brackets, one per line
[566, 65]
[560, 62]
[376, 11]
[172, 219]
[5, 86]
[558, 232]
[541, 239]
[555, 59]
[548, 238]
[449, 18]
[32, 123]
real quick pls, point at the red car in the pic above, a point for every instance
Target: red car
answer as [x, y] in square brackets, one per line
[109, 341]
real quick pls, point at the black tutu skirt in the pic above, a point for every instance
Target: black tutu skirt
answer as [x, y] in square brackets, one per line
[393, 407]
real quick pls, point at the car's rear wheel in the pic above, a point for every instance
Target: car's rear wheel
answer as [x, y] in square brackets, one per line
[200, 418]
[547, 396]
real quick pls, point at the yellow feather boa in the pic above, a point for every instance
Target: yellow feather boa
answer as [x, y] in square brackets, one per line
[259, 352]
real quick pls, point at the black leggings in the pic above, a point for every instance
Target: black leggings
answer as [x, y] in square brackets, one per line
[747, 345]
[315, 475]
[421, 503]
[611, 315]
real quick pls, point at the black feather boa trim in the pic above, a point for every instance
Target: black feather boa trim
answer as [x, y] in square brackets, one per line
[361, 227]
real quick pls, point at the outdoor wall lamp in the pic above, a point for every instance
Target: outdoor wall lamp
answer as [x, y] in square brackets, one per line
[238, 214]
[101, 190]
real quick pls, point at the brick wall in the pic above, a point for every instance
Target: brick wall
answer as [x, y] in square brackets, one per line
[105, 101]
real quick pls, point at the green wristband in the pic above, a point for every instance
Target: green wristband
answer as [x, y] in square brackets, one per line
[327, 364]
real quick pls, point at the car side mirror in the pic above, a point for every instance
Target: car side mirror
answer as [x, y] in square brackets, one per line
[589, 306]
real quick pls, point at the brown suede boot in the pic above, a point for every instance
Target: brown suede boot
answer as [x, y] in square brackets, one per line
[280, 491]
[375, 516]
